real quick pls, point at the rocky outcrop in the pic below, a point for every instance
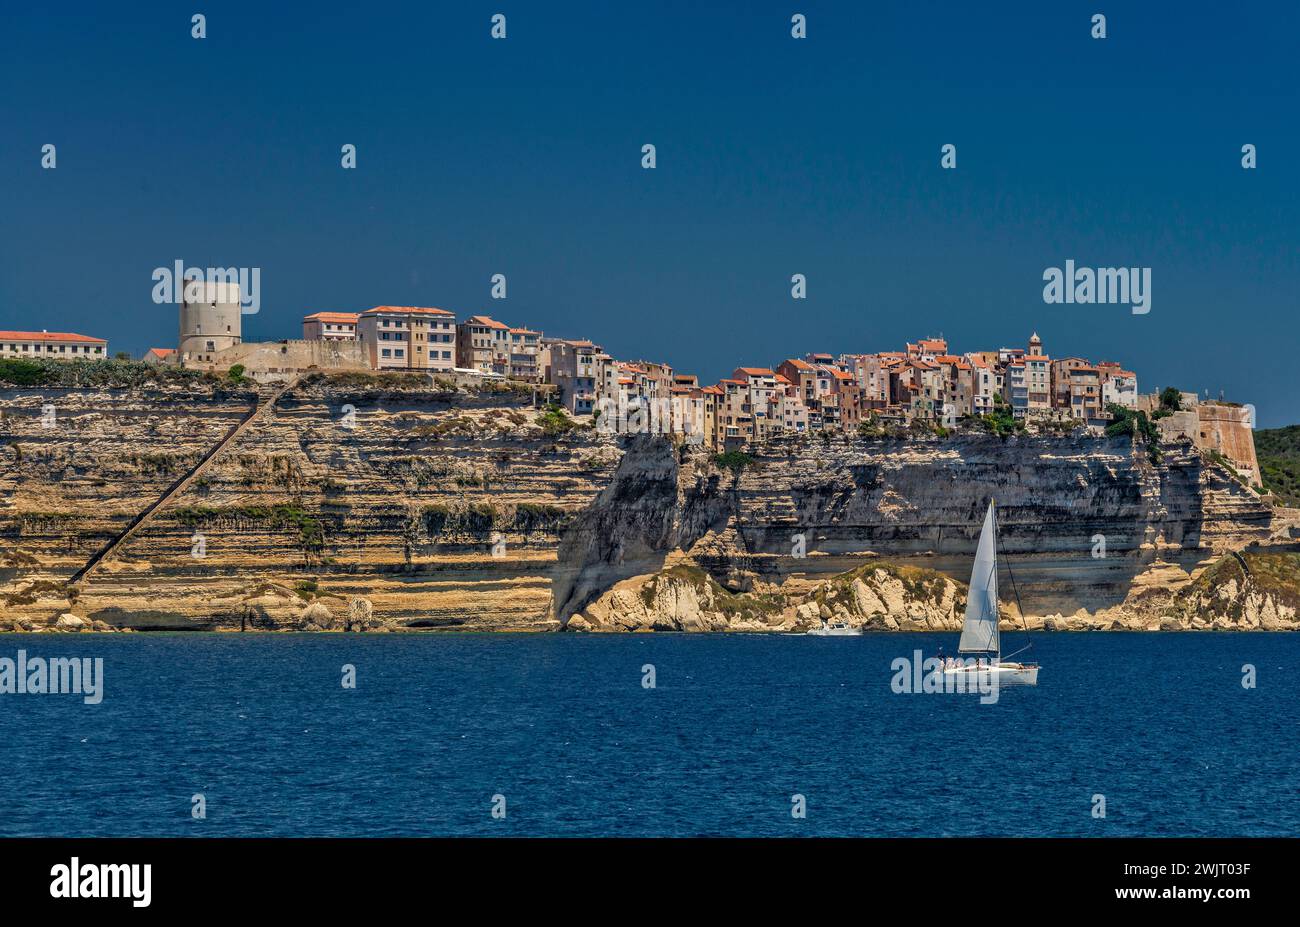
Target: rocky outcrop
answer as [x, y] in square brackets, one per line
[1258, 588]
[446, 507]
[683, 597]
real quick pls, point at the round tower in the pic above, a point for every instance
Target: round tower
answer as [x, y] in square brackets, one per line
[210, 319]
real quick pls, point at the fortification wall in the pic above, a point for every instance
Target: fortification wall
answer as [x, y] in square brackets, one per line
[270, 361]
[1230, 431]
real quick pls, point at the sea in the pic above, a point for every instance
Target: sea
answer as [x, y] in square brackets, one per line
[444, 734]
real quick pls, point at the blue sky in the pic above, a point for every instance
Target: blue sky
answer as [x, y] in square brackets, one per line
[775, 157]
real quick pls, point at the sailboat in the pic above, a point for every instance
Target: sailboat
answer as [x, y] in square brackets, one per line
[980, 641]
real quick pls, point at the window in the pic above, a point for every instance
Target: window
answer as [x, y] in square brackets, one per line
[399, 353]
[446, 355]
[386, 353]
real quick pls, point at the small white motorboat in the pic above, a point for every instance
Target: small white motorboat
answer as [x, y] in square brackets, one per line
[836, 629]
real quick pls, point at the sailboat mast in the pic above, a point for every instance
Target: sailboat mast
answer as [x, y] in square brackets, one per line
[993, 588]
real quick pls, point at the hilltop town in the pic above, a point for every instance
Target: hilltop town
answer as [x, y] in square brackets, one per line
[927, 387]
[458, 472]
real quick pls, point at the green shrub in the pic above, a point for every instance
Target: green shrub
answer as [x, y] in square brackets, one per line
[733, 460]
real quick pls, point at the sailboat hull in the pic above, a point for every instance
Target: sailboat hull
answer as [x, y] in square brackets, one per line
[1003, 674]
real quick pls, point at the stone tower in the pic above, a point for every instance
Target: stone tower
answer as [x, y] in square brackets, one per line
[210, 319]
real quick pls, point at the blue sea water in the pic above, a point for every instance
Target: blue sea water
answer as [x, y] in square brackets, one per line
[562, 726]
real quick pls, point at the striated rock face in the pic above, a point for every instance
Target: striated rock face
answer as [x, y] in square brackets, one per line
[441, 507]
[1085, 523]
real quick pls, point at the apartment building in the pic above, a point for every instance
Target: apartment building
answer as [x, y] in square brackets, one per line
[871, 376]
[761, 383]
[408, 338]
[482, 344]
[575, 367]
[712, 398]
[56, 345]
[788, 407]
[525, 348]
[927, 393]
[803, 377]
[1038, 376]
[1015, 388]
[330, 326]
[1117, 385]
[984, 384]
[1085, 393]
[735, 415]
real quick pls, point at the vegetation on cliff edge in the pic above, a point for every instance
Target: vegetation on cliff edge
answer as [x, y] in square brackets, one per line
[1278, 450]
[115, 374]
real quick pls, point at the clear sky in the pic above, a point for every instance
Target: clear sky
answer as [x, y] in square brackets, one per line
[775, 156]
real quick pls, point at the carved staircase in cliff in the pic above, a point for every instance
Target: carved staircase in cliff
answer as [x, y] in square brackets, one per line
[258, 411]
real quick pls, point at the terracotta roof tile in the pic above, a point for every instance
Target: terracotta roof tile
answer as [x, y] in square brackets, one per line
[50, 336]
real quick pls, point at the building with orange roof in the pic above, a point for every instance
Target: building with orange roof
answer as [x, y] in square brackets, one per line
[761, 384]
[804, 377]
[55, 345]
[927, 348]
[735, 414]
[985, 383]
[161, 356]
[408, 338]
[330, 326]
[482, 344]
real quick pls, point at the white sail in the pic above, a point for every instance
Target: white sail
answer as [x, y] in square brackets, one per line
[979, 632]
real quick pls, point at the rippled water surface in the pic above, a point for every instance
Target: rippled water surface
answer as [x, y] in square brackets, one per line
[562, 726]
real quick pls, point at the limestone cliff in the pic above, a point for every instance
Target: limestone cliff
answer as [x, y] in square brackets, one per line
[1084, 522]
[433, 505]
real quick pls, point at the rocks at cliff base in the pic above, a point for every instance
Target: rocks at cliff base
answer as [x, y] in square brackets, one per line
[317, 617]
[361, 616]
[1258, 588]
[684, 597]
[886, 596]
[681, 598]
[896, 597]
